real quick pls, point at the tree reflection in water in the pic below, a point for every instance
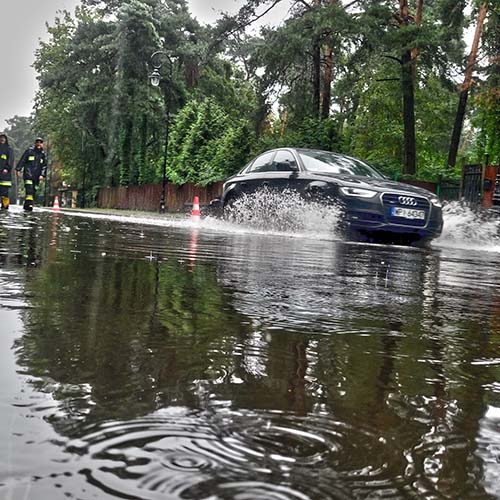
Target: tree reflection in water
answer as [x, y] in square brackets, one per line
[351, 366]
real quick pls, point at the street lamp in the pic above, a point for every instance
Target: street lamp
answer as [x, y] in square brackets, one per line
[155, 79]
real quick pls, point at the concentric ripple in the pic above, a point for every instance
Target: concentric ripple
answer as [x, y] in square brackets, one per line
[176, 453]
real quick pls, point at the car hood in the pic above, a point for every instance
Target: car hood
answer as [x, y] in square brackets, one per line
[380, 185]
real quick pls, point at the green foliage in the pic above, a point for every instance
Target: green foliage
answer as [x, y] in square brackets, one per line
[486, 115]
[20, 133]
[206, 144]
[313, 133]
[223, 88]
[375, 133]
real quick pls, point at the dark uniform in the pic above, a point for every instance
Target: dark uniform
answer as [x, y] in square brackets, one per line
[6, 164]
[34, 164]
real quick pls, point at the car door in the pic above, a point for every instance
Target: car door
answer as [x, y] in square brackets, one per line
[273, 171]
[247, 181]
[260, 174]
[296, 179]
[285, 171]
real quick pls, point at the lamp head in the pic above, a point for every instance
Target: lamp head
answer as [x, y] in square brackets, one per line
[155, 78]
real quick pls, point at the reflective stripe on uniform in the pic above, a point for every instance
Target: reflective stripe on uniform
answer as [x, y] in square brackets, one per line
[31, 158]
[28, 183]
[3, 157]
[5, 183]
[29, 197]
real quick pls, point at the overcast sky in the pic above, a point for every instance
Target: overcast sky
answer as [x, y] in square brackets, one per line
[24, 24]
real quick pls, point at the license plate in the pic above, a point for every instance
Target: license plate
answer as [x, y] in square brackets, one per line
[407, 213]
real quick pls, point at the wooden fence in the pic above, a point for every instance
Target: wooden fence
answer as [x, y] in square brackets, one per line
[180, 198]
[147, 197]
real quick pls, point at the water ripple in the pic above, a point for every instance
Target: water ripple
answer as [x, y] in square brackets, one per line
[178, 454]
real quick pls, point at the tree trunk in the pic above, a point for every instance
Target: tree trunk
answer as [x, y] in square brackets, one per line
[410, 154]
[419, 14]
[261, 110]
[464, 89]
[326, 95]
[284, 121]
[408, 114]
[316, 77]
[316, 69]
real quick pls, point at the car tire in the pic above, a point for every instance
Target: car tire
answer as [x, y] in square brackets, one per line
[227, 209]
[422, 242]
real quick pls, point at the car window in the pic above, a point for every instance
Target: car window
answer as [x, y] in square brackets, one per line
[324, 161]
[284, 161]
[262, 163]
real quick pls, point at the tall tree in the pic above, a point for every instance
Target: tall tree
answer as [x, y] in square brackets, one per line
[465, 87]
[20, 132]
[327, 73]
[136, 37]
[486, 104]
[407, 83]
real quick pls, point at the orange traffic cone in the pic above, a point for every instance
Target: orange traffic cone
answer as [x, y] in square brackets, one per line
[56, 203]
[195, 212]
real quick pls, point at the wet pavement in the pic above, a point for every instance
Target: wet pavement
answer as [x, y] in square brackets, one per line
[160, 358]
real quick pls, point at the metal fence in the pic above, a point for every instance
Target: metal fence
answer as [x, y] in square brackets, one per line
[472, 178]
[449, 191]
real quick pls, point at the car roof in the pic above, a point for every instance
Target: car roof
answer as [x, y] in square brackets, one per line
[299, 150]
[314, 150]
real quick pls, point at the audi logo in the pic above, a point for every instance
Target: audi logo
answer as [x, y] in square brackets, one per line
[407, 200]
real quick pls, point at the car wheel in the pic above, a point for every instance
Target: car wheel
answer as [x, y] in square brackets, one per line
[229, 208]
[422, 242]
[355, 235]
[314, 193]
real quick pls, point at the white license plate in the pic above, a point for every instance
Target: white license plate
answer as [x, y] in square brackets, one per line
[408, 213]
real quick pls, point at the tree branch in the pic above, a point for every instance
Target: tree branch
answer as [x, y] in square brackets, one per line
[251, 21]
[303, 2]
[351, 4]
[394, 58]
[239, 27]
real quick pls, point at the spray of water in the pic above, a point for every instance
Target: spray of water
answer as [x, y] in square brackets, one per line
[289, 215]
[469, 229]
[285, 212]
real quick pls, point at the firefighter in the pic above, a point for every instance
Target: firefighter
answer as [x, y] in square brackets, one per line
[34, 164]
[6, 164]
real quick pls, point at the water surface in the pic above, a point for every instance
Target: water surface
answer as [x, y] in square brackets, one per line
[160, 358]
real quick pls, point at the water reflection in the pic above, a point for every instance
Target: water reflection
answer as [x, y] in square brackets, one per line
[179, 363]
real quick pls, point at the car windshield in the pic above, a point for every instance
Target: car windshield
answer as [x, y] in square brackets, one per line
[332, 163]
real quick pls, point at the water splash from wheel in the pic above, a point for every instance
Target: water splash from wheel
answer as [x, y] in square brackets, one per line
[283, 212]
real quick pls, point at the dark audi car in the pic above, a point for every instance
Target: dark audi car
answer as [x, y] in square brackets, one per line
[374, 208]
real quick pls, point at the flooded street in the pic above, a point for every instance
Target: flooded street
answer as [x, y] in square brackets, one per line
[164, 359]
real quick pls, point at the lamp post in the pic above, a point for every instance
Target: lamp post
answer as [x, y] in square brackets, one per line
[155, 79]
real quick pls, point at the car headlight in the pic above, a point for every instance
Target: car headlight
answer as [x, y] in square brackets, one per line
[436, 202]
[358, 192]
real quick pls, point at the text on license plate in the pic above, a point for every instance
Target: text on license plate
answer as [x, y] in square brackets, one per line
[407, 213]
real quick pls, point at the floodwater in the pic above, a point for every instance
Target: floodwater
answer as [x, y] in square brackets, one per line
[167, 359]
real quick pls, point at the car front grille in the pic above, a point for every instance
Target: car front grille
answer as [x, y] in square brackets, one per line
[392, 200]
